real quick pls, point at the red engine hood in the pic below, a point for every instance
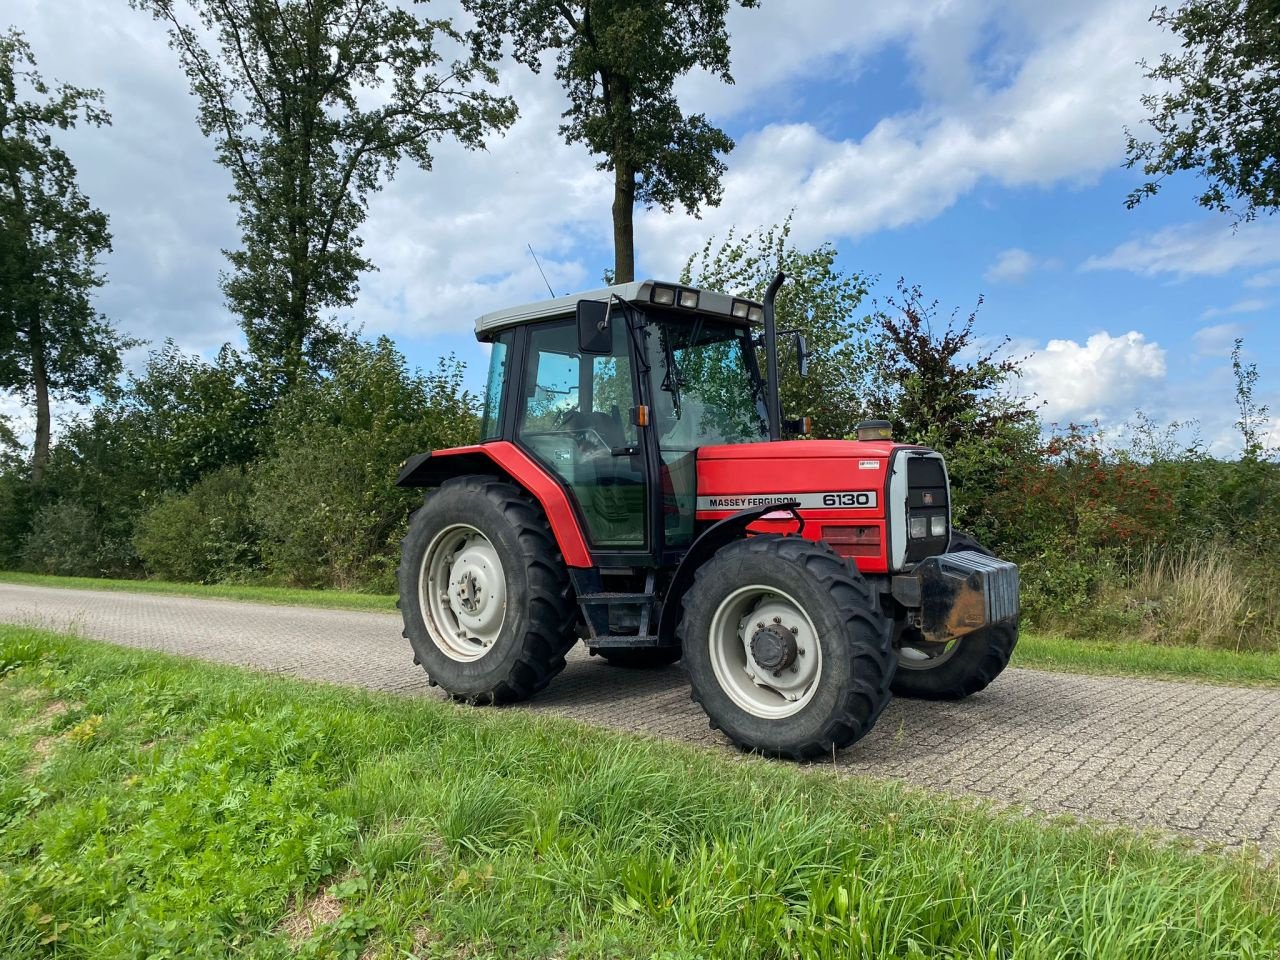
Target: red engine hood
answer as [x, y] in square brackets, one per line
[800, 449]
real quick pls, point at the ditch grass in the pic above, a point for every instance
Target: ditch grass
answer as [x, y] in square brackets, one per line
[1041, 651]
[153, 806]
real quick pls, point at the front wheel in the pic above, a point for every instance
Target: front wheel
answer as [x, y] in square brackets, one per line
[956, 669]
[786, 648]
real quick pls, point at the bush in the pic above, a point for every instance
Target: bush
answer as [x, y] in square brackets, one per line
[325, 498]
[205, 535]
[71, 539]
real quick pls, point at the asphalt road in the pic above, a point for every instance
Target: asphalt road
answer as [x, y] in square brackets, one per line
[1190, 758]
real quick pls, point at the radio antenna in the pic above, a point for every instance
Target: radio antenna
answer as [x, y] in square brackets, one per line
[539, 266]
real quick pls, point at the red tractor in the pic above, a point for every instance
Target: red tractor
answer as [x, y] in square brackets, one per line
[632, 490]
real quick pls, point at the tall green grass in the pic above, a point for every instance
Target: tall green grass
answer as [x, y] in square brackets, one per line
[157, 807]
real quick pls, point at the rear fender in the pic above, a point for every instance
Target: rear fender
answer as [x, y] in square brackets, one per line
[508, 461]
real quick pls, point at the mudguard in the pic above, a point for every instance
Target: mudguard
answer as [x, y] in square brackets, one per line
[504, 459]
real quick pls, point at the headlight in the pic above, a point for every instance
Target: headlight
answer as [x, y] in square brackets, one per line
[919, 527]
[938, 526]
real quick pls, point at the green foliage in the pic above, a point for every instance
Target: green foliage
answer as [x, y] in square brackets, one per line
[1216, 109]
[74, 538]
[176, 421]
[325, 496]
[940, 386]
[204, 535]
[52, 341]
[312, 105]
[211, 808]
[819, 300]
[618, 63]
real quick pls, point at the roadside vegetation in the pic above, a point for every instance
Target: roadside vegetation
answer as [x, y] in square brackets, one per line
[157, 806]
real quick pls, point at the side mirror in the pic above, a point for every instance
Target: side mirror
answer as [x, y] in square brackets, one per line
[594, 335]
[802, 354]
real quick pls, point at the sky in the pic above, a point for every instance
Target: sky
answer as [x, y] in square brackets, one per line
[973, 147]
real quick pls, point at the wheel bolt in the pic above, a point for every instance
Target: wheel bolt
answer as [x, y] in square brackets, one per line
[795, 631]
[777, 619]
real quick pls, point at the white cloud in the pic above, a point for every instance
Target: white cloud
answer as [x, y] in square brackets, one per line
[1218, 340]
[1011, 266]
[1259, 281]
[1101, 379]
[1207, 248]
[1251, 305]
[1058, 116]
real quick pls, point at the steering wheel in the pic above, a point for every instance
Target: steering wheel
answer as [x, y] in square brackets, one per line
[589, 438]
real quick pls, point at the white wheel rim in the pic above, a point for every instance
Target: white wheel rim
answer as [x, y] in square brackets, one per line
[462, 592]
[761, 692]
[916, 658]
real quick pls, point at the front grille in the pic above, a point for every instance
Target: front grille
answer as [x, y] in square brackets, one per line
[999, 580]
[927, 497]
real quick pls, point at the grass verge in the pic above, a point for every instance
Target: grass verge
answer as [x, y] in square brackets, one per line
[1048, 652]
[163, 807]
[334, 599]
[1038, 651]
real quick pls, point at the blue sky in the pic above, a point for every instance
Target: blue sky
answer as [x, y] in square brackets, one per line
[971, 146]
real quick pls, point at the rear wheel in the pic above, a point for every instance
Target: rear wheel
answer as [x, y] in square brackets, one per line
[786, 648]
[960, 667]
[484, 592]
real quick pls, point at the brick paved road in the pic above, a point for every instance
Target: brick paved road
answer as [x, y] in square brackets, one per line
[1200, 760]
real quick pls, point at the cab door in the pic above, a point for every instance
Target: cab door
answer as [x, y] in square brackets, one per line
[576, 419]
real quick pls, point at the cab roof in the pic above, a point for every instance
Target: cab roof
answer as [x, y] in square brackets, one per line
[637, 292]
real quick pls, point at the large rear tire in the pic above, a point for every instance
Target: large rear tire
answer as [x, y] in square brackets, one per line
[484, 592]
[960, 668]
[786, 648]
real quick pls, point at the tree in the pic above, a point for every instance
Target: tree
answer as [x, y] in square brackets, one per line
[618, 61]
[312, 105]
[325, 497]
[1218, 108]
[819, 300]
[52, 341]
[947, 390]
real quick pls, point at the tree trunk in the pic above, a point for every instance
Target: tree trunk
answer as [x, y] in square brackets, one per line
[624, 242]
[40, 381]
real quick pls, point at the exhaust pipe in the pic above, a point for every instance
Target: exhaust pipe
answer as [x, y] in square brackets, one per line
[772, 397]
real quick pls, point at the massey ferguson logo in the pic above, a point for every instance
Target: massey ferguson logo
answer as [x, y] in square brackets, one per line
[841, 499]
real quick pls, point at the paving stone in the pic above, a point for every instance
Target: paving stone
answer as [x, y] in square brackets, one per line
[1190, 758]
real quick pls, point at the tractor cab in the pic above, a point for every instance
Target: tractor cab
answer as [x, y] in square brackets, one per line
[614, 391]
[632, 489]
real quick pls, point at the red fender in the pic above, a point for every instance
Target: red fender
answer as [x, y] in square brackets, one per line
[431, 469]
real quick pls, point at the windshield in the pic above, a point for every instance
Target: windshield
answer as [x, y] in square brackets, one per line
[704, 388]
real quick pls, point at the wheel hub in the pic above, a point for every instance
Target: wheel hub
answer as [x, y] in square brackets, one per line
[773, 647]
